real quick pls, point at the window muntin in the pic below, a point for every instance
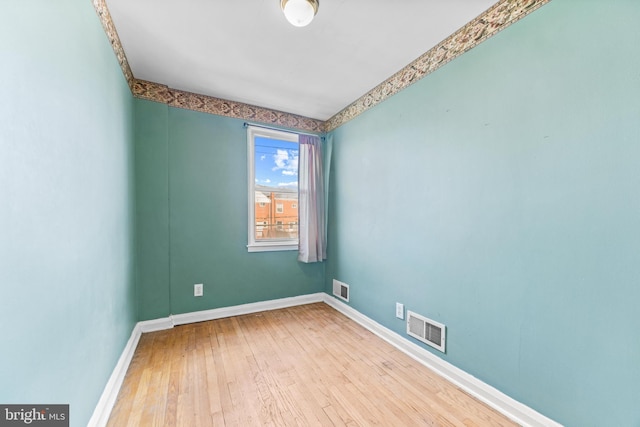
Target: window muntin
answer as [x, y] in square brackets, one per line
[273, 189]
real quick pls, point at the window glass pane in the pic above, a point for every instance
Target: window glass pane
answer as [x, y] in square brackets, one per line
[276, 189]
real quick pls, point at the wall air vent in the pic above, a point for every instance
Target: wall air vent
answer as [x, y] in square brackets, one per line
[426, 330]
[341, 290]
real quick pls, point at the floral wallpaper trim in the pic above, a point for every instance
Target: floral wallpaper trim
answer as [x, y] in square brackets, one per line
[112, 34]
[176, 98]
[495, 19]
[222, 107]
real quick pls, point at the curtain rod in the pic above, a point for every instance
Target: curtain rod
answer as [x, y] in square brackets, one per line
[246, 124]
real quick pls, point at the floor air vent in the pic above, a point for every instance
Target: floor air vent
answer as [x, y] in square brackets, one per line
[426, 330]
[341, 290]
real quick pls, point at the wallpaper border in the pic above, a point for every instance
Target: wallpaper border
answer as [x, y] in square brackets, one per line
[222, 107]
[493, 20]
[487, 24]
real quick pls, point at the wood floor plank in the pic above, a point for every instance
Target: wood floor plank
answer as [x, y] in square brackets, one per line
[300, 366]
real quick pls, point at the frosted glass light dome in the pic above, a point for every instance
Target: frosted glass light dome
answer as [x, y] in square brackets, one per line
[299, 13]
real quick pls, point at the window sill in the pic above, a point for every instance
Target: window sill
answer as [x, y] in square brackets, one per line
[272, 247]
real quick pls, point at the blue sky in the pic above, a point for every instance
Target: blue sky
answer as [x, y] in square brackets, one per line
[276, 163]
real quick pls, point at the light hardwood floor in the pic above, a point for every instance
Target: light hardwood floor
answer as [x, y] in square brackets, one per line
[300, 366]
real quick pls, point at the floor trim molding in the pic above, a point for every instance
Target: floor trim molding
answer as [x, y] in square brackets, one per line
[516, 411]
[109, 395]
[108, 398]
[238, 310]
[499, 401]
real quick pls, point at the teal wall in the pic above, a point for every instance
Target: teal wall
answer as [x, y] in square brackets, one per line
[67, 295]
[192, 211]
[152, 209]
[500, 196]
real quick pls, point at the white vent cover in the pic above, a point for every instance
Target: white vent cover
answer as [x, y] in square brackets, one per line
[341, 290]
[426, 330]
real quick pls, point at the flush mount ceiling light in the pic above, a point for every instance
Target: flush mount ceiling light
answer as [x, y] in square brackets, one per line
[299, 12]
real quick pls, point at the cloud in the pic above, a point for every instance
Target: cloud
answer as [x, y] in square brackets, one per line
[288, 184]
[267, 181]
[281, 159]
[264, 156]
[286, 161]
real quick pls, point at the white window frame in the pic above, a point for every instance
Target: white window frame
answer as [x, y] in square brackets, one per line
[284, 244]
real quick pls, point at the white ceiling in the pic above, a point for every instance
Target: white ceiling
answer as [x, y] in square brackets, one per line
[246, 51]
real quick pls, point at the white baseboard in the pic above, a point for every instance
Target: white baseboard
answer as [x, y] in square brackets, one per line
[156, 324]
[105, 405]
[220, 313]
[238, 310]
[499, 401]
[511, 408]
[103, 409]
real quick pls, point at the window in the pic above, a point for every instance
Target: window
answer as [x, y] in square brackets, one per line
[273, 189]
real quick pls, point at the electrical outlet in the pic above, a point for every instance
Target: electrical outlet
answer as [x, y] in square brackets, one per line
[399, 310]
[197, 290]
